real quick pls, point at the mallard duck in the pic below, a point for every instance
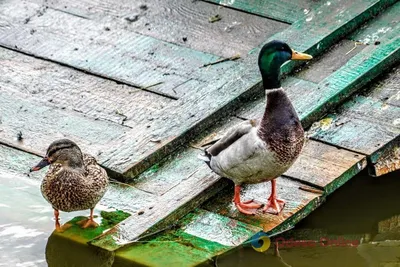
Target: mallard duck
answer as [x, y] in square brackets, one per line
[261, 150]
[73, 182]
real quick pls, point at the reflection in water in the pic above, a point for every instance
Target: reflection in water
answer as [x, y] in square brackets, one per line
[365, 210]
[66, 252]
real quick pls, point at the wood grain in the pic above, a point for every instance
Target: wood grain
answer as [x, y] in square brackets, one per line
[187, 22]
[362, 124]
[68, 89]
[286, 11]
[326, 167]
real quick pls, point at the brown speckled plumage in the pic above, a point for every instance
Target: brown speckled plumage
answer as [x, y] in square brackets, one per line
[69, 189]
[281, 128]
[74, 180]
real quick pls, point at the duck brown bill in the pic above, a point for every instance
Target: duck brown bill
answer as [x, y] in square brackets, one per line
[43, 163]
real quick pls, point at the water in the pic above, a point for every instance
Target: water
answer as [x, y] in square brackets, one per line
[364, 209]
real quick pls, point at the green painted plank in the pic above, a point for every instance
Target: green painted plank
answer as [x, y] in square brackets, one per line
[216, 228]
[375, 29]
[320, 68]
[40, 125]
[363, 124]
[186, 21]
[121, 55]
[286, 11]
[201, 233]
[357, 72]
[387, 89]
[179, 185]
[326, 25]
[68, 89]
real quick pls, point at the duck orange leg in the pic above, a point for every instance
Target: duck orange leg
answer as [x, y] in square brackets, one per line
[57, 219]
[274, 205]
[246, 207]
[60, 228]
[88, 222]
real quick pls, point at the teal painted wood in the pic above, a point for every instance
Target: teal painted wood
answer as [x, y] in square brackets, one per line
[286, 11]
[178, 186]
[186, 21]
[357, 72]
[387, 89]
[364, 125]
[326, 25]
[320, 68]
[64, 88]
[22, 115]
[120, 55]
[378, 27]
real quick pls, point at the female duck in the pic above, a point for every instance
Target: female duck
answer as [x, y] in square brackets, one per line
[73, 182]
[258, 151]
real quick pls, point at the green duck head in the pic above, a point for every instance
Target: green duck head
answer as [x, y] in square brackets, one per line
[62, 151]
[271, 58]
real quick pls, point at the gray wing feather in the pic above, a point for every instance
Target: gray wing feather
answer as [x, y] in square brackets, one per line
[231, 136]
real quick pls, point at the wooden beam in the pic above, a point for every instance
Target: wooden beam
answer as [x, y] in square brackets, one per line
[286, 11]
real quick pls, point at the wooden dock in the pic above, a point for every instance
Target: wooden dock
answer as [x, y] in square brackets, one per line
[141, 87]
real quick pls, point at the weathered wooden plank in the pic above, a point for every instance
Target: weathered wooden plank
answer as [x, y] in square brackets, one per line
[375, 29]
[298, 204]
[326, 25]
[362, 124]
[121, 55]
[216, 228]
[356, 73]
[387, 89]
[326, 167]
[331, 61]
[65, 88]
[386, 160]
[287, 11]
[207, 233]
[181, 184]
[40, 125]
[187, 23]
[16, 12]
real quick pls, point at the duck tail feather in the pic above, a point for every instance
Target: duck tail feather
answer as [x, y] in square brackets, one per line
[206, 157]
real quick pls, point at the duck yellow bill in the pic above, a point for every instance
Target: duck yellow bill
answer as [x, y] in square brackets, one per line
[298, 55]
